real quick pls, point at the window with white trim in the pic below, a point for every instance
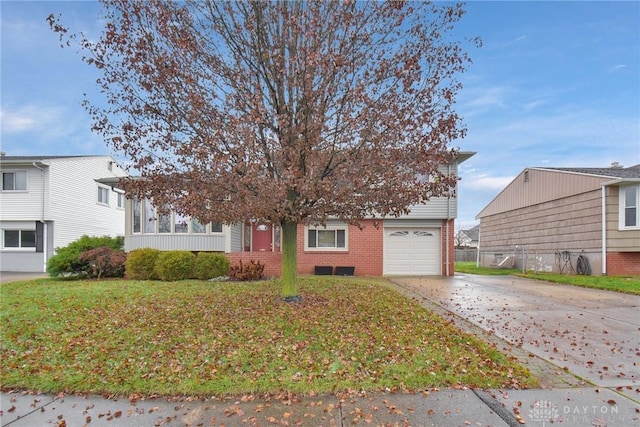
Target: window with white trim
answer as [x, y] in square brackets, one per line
[103, 195]
[136, 215]
[120, 200]
[14, 181]
[629, 217]
[18, 239]
[166, 221]
[332, 238]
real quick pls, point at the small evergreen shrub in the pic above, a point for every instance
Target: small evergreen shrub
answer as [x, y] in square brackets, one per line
[104, 262]
[253, 270]
[67, 259]
[209, 265]
[175, 265]
[141, 264]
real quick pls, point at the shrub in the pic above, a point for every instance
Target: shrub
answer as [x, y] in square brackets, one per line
[175, 265]
[104, 262]
[141, 264]
[67, 259]
[253, 270]
[209, 265]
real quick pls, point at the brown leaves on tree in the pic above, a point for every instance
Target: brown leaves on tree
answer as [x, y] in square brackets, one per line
[282, 111]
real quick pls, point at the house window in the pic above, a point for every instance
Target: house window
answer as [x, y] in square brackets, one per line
[103, 195]
[120, 200]
[137, 215]
[149, 217]
[180, 223]
[216, 227]
[629, 202]
[164, 222]
[14, 181]
[197, 227]
[19, 239]
[329, 238]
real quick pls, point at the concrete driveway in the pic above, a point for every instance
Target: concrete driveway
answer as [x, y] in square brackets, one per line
[12, 276]
[590, 333]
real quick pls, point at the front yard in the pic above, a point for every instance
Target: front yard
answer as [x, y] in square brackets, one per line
[201, 338]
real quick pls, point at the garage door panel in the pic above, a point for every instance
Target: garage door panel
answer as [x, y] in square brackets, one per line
[412, 252]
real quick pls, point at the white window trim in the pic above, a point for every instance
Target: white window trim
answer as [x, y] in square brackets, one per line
[344, 227]
[26, 181]
[107, 189]
[621, 208]
[172, 219]
[120, 197]
[19, 248]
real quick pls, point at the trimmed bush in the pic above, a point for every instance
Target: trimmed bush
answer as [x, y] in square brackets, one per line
[104, 262]
[210, 265]
[141, 264]
[253, 270]
[175, 265]
[67, 259]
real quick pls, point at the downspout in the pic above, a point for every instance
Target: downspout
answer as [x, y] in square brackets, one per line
[604, 230]
[478, 248]
[44, 224]
[447, 261]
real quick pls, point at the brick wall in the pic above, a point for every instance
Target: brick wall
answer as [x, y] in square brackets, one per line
[443, 245]
[623, 264]
[364, 253]
[272, 261]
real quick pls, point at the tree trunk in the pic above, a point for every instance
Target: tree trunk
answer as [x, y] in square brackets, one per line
[289, 261]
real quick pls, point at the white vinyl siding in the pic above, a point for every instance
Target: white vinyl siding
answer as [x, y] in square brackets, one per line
[31, 204]
[14, 181]
[76, 213]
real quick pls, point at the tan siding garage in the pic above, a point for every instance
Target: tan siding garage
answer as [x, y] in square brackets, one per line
[412, 251]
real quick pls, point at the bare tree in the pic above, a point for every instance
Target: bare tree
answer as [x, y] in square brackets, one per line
[290, 112]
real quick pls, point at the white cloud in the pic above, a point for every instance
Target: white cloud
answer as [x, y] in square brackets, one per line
[36, 129]
[16, 122]
[617, 68]
[30, 118]
[488, 183]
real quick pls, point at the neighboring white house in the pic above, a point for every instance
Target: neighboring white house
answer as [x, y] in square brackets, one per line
[468, 238]
[47, 202]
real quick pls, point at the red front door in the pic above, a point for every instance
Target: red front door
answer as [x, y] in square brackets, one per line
[262, 237]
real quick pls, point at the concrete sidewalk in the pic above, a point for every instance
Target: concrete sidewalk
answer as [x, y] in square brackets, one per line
[445, 407]
[13, 276]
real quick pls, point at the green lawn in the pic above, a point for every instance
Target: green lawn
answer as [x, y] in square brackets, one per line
[204, 338]
[630, 285]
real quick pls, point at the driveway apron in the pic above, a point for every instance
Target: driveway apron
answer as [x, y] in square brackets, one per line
[591, 333]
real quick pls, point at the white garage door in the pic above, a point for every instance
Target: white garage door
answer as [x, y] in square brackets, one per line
[414, 251]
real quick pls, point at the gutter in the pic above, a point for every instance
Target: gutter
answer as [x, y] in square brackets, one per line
[604, 229]
[478, 246]
[604, 216]
[42, 191]
[44, 224]
[447, 226]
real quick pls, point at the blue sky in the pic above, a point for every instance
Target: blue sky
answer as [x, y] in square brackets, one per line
[555, 84]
